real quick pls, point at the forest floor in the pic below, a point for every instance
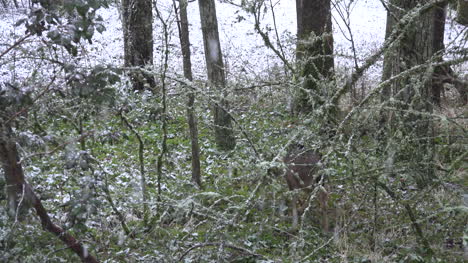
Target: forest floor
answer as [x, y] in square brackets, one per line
[242, 212]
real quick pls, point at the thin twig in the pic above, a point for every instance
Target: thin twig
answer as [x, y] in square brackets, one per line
[214, 244]
[42, 93]
[108, 197]
[266, 39]
[61, 146]
[17, 43]
[142, 166]
[411, 215]
[394, 39]
[165, 60]
[278, 40]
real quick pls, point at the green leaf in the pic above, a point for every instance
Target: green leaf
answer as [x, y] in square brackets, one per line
[82, 10]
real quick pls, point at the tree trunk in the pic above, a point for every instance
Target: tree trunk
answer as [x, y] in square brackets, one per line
[314, 51]
[440, 14]
[412, 93]
[444, 74]
[13, 172]
[462, 12]
[191, 118]
[224, 135]
[137, 24]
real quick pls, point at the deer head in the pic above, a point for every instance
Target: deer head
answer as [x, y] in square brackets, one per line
[301, 173]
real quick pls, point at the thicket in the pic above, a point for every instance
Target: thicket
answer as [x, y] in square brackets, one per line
[86, 140]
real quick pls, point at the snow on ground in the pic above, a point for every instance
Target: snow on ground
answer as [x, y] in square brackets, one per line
[243, 49]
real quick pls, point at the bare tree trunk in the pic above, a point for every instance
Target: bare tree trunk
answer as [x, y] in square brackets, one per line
[314, 51]
[462, 12]
[440, 14]
[444, 73]
[412, 94]
[224, 135]
[14, 176]
[137, 24]
[191, 118]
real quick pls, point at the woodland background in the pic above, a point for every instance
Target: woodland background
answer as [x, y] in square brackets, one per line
[142, 131]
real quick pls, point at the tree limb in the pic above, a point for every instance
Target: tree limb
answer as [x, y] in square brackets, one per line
[48, 225]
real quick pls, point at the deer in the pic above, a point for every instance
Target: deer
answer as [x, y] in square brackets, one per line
[301, 174]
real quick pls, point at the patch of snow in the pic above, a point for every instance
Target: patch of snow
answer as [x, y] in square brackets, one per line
[243, 50]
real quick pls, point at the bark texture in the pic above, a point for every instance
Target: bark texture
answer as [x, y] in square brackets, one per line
[137, 24]
[412, 94]
[224, 135]
[13, 172]
[462, 12]
[314, 51]
[440, 13]
[191, 117]
[408, 98]
[444, 74]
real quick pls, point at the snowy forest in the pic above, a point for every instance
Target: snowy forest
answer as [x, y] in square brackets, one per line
[233, 131]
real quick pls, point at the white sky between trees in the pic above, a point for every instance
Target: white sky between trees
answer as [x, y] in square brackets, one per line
[243, 49]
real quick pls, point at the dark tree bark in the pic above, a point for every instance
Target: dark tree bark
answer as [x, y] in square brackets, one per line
[462, 12]
[412, 93]
[21, 196]
[137, 24]
[440, 14]
[444, 73]
[13, 172]
[191, 118]
[408, 128]
[224, 135]
[314, 51]
[460, 85]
